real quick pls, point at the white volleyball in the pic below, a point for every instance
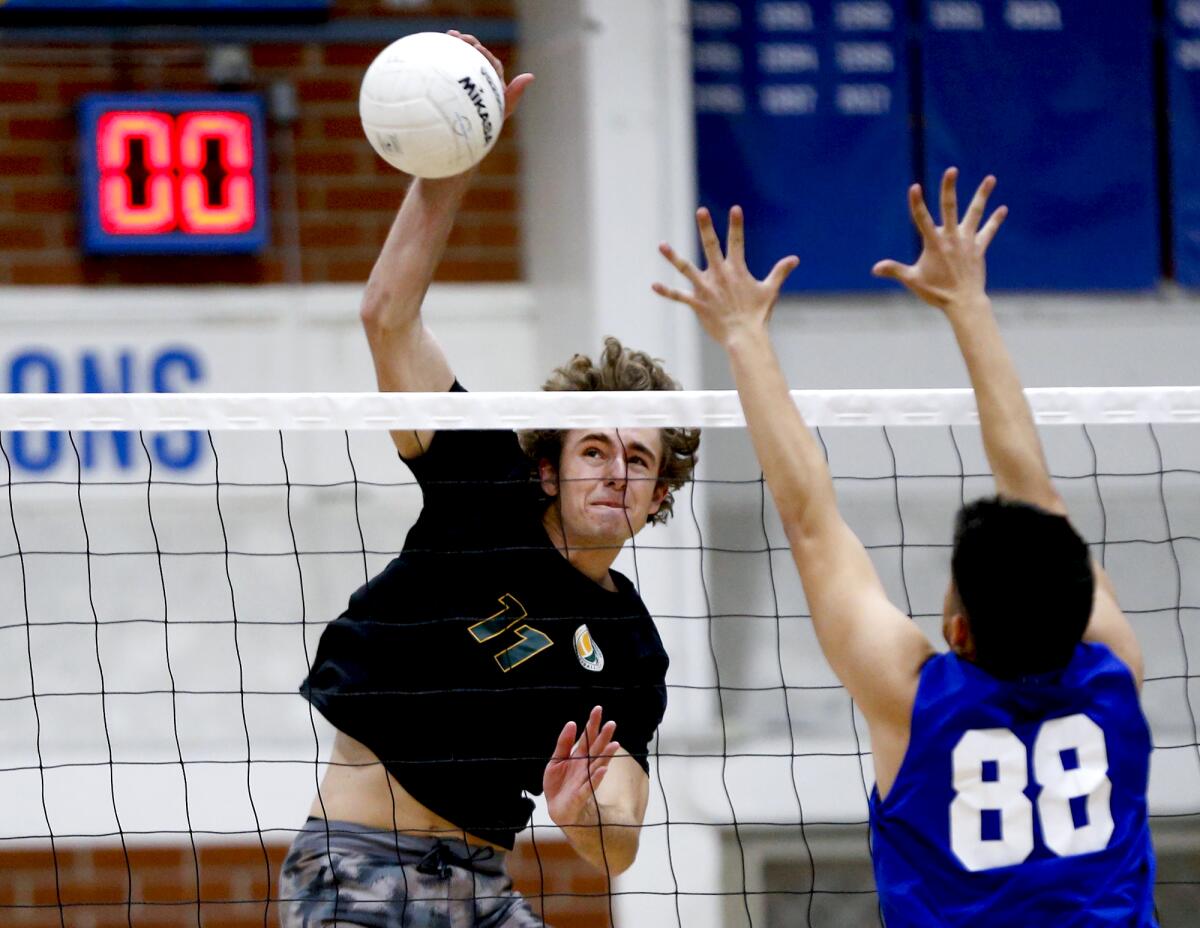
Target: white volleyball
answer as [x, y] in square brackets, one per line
[431, 105]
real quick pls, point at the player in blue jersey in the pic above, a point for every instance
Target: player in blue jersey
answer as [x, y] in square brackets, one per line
[1011, 771]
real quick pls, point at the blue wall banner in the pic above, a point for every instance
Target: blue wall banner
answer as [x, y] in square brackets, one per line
[1183, 92]
[802, 117]
[1054, 97]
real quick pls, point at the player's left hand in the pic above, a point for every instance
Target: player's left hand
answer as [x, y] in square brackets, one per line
[725, 296]
[577, 768]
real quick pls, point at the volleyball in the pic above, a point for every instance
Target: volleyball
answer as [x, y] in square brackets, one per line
[431, 105]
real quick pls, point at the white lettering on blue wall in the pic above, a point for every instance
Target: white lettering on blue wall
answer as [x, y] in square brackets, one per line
[1033, 14]
[956, 14]
[1187, 54]
[864, 99]
[716, 56]
[788, 57]
[865, 57]
[788, 99]
[720, 98]
[711, 15]
[863, 14]
[785, 17]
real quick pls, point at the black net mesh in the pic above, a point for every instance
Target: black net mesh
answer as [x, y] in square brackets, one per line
[156, 759]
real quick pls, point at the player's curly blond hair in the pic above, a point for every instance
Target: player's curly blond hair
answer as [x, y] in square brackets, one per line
[621, 368]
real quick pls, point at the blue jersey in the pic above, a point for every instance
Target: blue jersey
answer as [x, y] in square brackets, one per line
[1019, 802]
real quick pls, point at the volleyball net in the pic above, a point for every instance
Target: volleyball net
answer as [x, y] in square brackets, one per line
[169, 563]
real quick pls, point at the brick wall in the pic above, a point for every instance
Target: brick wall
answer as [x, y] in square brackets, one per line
[93, 886]
[346, 195]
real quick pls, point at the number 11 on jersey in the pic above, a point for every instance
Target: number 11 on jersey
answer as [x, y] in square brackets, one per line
[530, 641]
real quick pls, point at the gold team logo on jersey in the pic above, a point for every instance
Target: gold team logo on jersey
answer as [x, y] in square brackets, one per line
[589, 653]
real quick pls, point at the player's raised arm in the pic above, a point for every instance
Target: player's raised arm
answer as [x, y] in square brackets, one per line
[950, 274]
[406, 355]
[875, 650]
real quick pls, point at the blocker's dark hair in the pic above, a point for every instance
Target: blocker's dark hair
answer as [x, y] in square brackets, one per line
[620, 368]
[1025, 580]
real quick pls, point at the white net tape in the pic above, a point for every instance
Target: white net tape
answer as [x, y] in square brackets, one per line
[706, 408]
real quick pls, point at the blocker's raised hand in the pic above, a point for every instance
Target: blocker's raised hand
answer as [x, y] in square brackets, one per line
[951, 269]
[725, 296]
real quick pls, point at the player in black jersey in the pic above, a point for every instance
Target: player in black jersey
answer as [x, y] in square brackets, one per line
[499, 655]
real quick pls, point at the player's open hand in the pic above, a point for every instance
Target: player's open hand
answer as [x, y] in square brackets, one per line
[950, 271]
[514, 89]
[725, 296]
[577, 768]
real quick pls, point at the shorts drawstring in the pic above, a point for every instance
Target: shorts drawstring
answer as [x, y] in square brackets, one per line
[441, 858]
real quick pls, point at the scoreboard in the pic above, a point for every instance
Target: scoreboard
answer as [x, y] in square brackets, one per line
[173, 173]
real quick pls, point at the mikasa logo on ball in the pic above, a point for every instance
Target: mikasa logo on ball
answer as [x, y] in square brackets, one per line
[477, 98]
[588, 652]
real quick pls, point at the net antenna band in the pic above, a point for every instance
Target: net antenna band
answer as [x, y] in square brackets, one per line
[515, 410]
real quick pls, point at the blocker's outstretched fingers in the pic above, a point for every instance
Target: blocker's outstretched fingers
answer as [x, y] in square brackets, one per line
[781, 271]
[974, 216]
[708, 237]
[735, 243]
[950, 199]
[670, 293]
[725, 296]
[920, 213]
[681, 264]
[988, 232]
[889, 268]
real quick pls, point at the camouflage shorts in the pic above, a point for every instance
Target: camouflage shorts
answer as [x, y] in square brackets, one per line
[343, 874]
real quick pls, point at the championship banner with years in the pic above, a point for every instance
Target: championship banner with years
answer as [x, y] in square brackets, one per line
[802, 117]
[1183, 93]
[1054, 97]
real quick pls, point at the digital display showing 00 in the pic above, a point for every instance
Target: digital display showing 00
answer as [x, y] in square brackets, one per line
[173, 174]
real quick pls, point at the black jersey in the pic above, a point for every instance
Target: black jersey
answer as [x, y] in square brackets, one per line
[459, 664]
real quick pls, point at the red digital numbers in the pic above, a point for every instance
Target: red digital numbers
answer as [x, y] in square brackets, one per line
[120, 137]
[191, 172]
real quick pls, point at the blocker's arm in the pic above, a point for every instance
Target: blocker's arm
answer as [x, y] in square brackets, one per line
[875, 650]
[950, 275]
[406, 355]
